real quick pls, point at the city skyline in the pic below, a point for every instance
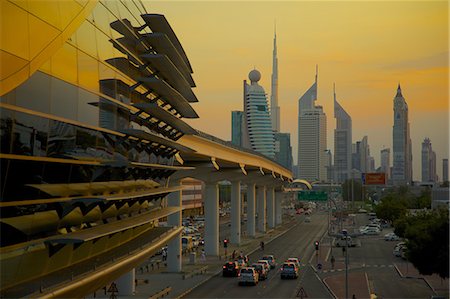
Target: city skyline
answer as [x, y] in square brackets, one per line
[366, 48]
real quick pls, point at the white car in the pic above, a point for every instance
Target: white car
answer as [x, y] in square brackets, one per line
[294, 260]
[370, 231]
[248, 275]
[391, 237]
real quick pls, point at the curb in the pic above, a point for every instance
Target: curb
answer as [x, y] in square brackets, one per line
[415, 277]
[328, 288]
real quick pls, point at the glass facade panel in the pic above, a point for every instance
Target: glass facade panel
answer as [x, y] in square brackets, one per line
[6, 128]
[64, 97]
[47, 10]
[29, 135]
[34, 93]
[68, 9]
[64, 64]
[61, 139]
[104, 46]
[14, 19]
[40, 35]
[87, 71]
[102, 18]
[86, 39]
[87, 112]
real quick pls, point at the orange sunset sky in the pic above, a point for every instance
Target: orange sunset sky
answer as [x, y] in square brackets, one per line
[367, 48]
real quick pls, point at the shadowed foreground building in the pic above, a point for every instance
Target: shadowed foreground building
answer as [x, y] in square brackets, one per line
[92, 100]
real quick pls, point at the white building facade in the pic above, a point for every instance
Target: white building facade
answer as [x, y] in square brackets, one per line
[257, 131]
[312, 137]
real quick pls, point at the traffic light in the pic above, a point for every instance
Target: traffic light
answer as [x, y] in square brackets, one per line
[317, 245]
[225, 243]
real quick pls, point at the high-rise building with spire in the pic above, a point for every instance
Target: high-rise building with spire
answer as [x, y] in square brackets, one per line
[312, 137]
[274, 108]
[342, 142]
[401, 141]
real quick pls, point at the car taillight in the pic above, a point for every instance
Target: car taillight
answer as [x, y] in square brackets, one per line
[236, 267]
[282, 268]
[224, 267]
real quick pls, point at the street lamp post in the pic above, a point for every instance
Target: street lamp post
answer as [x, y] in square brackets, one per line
[344, 232]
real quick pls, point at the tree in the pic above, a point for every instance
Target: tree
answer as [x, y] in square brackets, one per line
[391, 208]
[427, 243]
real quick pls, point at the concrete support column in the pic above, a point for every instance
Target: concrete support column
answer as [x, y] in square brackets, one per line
[261, 198]
[271, 207]
[251, 195]
[174, 246]
[235, 212]
[278, 208]
[126, 284]
[211, 204]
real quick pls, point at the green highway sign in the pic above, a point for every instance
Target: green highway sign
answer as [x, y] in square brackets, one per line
[312, 195]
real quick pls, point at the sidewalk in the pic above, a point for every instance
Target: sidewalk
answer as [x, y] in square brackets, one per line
[438, 285]
[152, 280]
[357, 283]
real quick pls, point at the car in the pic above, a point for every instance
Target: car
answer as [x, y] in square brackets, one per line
[343, 241]
[391, 237]
[261, 269]
[289, 270]
[265, 263]
[248, 275]
[370, 231]
[230, 269]
[307, 219]
[362, 211]
[271, 260]
[295, 261]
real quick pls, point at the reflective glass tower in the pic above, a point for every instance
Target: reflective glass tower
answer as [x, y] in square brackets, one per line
[342, 143]
[258, 133]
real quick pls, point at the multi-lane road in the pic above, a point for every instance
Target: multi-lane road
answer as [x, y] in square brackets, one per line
[297, 242]
[373, 260]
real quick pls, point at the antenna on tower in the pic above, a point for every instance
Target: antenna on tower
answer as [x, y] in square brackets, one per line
[334, 90]
[317, 71]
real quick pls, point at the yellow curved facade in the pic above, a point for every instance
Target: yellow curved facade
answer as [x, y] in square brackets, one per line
[43, 27]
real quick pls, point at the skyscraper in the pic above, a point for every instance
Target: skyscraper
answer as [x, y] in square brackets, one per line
[342, 142]
[428, 162]
[445, 170]
[283, 149]
[274, 108]
[257, 128]
[236, 127]
[312, 137]
[386, 162]
[401, 141]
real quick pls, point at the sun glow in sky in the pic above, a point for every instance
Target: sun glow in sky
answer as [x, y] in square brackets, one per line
[367, 48]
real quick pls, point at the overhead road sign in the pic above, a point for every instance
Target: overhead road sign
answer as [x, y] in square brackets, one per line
[312, 195]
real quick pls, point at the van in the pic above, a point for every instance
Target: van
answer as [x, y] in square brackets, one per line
[187, 243]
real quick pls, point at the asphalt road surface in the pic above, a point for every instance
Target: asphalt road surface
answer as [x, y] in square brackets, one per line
[297, 242]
